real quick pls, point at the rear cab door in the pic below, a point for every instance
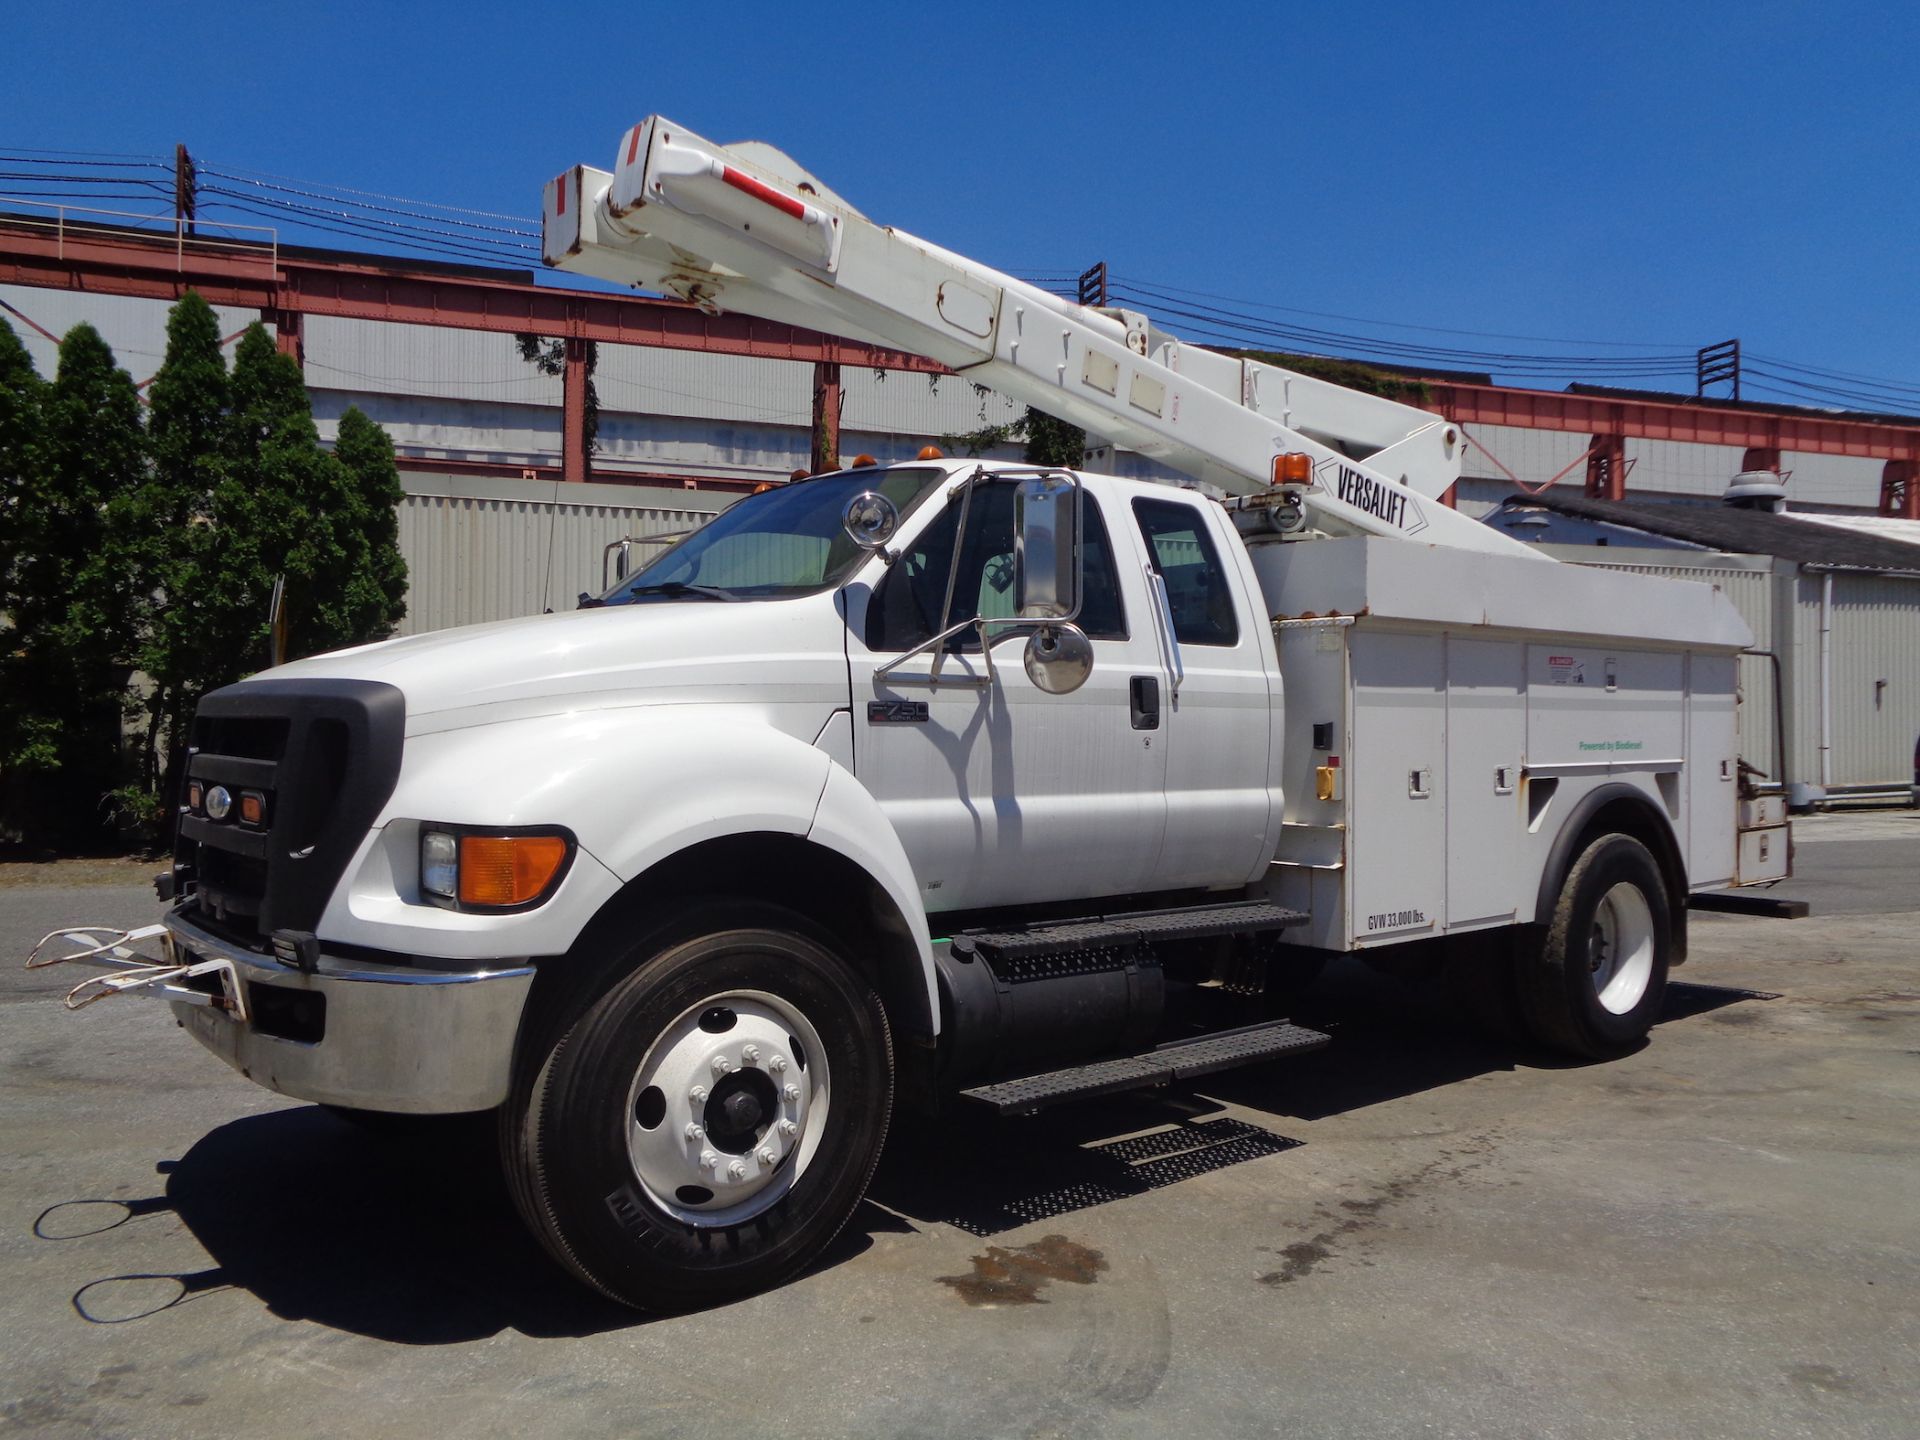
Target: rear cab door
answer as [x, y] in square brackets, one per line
[1223, 777]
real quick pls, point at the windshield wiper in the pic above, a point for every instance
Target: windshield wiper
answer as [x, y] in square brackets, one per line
[681, 587]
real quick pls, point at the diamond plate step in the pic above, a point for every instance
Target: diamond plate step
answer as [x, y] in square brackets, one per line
[1193, 922]
[1178, 1060]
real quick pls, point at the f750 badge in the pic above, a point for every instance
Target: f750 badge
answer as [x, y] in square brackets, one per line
[897, 712]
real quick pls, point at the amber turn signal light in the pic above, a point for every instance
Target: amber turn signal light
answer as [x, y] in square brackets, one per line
[500, 870]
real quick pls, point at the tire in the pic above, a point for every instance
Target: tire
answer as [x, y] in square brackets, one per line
[1593, 982]
[706, 1124]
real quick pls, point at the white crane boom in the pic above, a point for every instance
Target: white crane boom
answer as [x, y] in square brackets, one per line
[744, 228]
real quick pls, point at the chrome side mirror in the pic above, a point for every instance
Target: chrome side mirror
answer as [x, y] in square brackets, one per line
[870, 520]
[1046, 548]
[1059, 658]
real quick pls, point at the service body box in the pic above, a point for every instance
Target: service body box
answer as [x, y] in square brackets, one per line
[1444, 711]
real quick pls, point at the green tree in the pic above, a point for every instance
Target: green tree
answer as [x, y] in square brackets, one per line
[71, 602]
[22, 393]
[1052, 441]
[284, 507]
[367, 453]
[165, 529]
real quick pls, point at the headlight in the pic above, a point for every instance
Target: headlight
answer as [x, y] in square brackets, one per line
[440, 864]
[476, 870]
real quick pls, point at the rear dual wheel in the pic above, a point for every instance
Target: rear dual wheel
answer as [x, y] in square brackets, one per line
[1593, 981]
[705, 1126]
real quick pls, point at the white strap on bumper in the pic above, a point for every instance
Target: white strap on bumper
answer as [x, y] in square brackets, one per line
[130, 972]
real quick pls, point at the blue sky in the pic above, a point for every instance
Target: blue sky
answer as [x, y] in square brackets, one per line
[1661, 176]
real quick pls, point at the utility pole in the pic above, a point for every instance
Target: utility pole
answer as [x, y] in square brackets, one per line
[183, 189]
[1093, 285]
[1717, 365]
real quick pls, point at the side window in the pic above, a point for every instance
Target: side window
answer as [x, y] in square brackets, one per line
[1197, 588]
[907, 601]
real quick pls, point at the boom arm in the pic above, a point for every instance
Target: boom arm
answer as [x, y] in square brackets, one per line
[744, 228]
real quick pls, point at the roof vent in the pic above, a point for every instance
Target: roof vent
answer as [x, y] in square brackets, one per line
[1757, 490]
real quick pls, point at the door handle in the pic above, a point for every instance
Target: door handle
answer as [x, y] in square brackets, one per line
[1143, 698]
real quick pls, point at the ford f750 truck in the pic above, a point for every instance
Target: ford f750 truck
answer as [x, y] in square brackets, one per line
[939, 783]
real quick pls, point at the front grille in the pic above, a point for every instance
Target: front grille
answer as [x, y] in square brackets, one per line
[325, 755]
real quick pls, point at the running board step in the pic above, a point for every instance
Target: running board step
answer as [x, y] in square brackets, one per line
[1177, 1060]
[1124, 931]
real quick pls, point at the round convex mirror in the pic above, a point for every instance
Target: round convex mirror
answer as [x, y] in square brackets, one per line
[1059, 658]
[870, 520]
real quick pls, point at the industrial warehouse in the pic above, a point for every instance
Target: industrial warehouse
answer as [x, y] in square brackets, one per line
[634, 801]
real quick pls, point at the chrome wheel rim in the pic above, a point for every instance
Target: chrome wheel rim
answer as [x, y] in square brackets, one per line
[727, 1108]
[1620, 948]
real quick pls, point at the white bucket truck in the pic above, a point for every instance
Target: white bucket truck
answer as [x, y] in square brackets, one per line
[694, 885]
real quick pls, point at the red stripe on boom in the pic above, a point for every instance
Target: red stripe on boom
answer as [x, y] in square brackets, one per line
[633, 145]
[786, 204]
[560, 191]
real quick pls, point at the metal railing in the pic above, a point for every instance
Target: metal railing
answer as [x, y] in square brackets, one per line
[81, 222]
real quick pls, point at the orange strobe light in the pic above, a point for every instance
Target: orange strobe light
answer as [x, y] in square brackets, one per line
[1294, 467]
[508, 869]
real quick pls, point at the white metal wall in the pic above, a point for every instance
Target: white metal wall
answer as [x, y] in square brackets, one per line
[1875, 661]
[467, 395]
[1875, 677]
[485, 549]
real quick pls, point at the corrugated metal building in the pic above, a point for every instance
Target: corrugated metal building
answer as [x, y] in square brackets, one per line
[1836, 608]
[450, 396]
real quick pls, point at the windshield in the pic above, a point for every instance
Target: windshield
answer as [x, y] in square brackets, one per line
[776, 544]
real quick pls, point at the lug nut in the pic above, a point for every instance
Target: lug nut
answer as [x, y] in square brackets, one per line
[694, 1132]
[777, 1064]
[698, 1094]
[765, 1156]
[708, 1159]
[750, 1053]
[789, 1129]
[792, 1093]
[738, 1170]
[722, 1065]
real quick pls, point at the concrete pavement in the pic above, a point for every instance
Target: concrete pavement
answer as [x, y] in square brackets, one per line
[1413, 1232]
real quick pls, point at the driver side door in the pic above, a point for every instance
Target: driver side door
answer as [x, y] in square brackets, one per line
[1001, 793]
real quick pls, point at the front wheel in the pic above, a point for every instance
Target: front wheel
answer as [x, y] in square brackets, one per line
[706, 1126]
[1593, 982]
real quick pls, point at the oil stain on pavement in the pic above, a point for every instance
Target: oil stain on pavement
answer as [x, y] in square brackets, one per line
[1015, 1275]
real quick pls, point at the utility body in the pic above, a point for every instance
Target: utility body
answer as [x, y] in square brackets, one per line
[943, 782]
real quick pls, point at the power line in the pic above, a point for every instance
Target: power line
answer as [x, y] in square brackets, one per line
[1403, 325]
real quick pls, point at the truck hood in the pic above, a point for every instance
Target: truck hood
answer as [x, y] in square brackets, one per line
[761, 653]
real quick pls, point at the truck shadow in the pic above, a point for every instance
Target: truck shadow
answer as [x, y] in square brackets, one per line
[1390, 1040]
[414, 1241]
[410, 1241]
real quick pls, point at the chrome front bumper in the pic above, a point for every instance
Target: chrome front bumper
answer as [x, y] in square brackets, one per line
[421, 1042]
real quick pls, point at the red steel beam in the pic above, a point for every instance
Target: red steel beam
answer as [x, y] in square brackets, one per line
[1468, 404]
[258, 279]
[824, 452]
[575, 462]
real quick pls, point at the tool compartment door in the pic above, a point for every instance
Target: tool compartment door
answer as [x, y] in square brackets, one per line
[1397, 874]
[1486, 735]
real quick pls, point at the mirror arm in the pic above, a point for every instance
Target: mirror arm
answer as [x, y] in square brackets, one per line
[953, 567]
[930, 643]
